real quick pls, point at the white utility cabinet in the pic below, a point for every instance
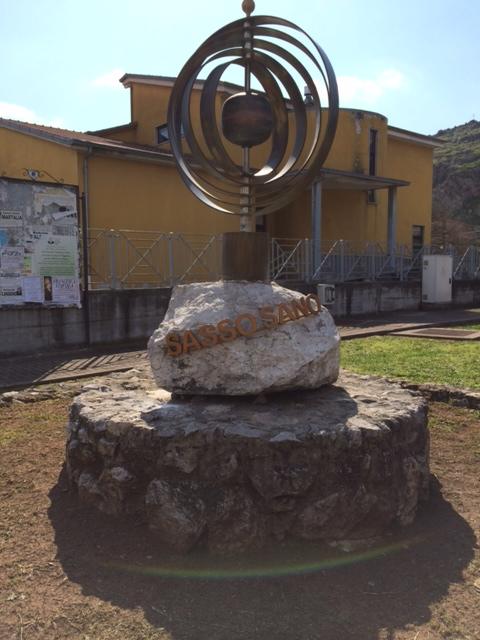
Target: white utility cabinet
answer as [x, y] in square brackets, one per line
[326, 293]
[437, 279]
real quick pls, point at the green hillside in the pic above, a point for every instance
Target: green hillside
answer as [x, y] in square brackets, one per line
[456, 178]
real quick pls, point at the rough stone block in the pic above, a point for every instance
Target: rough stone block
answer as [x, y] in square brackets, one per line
[239, 338]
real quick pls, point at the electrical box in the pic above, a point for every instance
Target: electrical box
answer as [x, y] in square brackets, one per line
[326, 293]
[437, 279]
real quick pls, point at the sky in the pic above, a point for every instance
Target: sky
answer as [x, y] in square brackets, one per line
[416, 61]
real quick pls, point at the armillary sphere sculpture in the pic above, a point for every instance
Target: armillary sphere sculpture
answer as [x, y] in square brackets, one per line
[300, 137]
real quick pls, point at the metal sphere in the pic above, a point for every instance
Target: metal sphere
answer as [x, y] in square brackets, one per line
[248, 6]
[247, 119]
[297, 136]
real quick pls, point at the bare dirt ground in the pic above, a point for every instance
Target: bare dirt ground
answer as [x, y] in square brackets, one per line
[68, 572]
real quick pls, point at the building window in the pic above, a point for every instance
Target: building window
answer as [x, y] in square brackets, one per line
[418, 233]
[161, 133]
[372, 153]
[372, 162]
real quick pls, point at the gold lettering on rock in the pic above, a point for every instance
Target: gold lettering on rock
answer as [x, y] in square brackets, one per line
[241, 328]
[245, 325]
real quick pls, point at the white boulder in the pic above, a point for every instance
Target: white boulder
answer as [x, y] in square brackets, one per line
[240, 338]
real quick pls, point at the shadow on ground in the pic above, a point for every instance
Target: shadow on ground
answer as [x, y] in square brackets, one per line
[19, 371]
[297, 592]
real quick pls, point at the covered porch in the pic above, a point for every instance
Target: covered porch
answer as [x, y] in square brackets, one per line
[333, 180]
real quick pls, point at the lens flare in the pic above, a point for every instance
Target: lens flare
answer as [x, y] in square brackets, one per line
[247, 567]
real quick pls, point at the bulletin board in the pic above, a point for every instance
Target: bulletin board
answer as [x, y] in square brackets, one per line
[39, 244]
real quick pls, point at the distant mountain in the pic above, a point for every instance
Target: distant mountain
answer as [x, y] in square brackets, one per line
[456, 184]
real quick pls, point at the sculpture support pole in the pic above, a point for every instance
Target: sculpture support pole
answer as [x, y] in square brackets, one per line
[246, 222]
[245, 256]
[247, 216]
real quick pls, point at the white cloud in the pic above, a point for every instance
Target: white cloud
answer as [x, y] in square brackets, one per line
[17, 112]
[391, 79]
[368, 90]
[109, 80]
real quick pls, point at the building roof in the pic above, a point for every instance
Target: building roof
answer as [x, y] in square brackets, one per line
[341, 180]
[412, 136]
[86, 141]
[128, 126]
[331, 178]
[168, 81]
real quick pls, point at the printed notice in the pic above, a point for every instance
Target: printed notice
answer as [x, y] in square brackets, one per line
[11, 218]
[65, 290]
[12, 236]
[55, 256]
[55, 204]
[11, 291]
[27, 265]
[11, 260]
[33, 289]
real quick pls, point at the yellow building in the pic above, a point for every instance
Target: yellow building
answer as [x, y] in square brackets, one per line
[375, 187]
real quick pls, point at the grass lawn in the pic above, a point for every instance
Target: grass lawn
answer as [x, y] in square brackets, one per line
[446, 362]
[469, 327]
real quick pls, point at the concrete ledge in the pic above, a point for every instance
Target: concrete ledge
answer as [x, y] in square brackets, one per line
[368, 298]
[116, 316]
[112, 316]
[466, 293]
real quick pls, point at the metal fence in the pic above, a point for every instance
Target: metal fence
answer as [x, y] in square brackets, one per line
[124, 259]
[121, 259]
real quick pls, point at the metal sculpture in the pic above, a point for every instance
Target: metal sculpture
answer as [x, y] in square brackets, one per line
[299, 137]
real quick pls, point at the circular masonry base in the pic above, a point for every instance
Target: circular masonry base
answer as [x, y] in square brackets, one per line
[343, 461]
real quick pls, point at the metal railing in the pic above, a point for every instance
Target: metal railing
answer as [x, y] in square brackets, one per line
[124, 259]
[467, 265]
[290, 259]
[121, 259]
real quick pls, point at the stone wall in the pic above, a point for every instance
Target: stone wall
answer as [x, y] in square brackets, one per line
[116, 316]
[111, 316]
[360, 298]
[369, 298]
[466, 293]
[344, 462]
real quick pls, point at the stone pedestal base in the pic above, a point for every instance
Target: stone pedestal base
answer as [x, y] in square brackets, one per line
[345, 461]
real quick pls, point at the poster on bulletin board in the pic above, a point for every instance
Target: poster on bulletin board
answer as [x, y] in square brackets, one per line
[39, 244]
